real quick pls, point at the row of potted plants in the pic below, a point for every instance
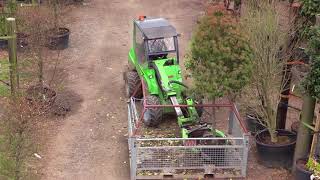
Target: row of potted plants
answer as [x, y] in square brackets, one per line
[57, 37]
[276, 146]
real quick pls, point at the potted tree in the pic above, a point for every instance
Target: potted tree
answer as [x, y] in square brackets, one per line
[219, 61]
[275, 147]
[38, 21]
[58, 36]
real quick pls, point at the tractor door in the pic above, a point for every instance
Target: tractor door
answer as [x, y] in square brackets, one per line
[139, 45]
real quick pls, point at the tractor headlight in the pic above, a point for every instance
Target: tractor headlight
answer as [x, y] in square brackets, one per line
[150, 76]
[179, 72]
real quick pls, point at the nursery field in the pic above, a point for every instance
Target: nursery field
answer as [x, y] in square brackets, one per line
[81, 129]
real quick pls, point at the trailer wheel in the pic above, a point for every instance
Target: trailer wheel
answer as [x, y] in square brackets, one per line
[132, 81]
[153, 116]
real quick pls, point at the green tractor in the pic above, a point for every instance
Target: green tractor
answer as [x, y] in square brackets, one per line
[154, 58]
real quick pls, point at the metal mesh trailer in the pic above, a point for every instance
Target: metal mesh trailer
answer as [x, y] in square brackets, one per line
[191, 158]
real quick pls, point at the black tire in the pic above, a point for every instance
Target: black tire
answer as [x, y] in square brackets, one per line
[153, 116]
[132, 80]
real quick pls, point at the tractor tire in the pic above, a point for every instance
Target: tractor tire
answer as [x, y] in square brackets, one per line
[133, 81]
[153, 116]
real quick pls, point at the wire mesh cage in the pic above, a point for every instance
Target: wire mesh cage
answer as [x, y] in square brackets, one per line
[157, 153]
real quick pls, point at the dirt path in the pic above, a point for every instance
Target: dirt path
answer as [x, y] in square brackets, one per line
[91, 142]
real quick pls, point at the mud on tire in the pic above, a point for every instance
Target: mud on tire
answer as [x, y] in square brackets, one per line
[153, 116]
[132, 81]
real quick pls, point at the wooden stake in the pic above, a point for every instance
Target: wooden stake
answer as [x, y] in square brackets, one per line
[315, 137]
[12, 45]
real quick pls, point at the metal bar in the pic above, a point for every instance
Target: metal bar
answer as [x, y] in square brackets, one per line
[181, 139]
[28, 5]
[190, 168]
[236, 112]
[192, 147]
[175, 102]
[138, 123]
[245, 155]
[315, 137]
[133, 157]
[7, 37]
[183, 105]
[129, 121]
[189, 177]
[231, 122]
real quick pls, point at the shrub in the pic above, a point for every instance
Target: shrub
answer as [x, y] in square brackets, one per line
[219, 60]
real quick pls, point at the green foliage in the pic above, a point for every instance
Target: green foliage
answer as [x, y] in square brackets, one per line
[219, 60]
[313, 166]
[7, 165]
[312, 83]
[9, 11]
[4, 76]
[3, 29]
[310, 7]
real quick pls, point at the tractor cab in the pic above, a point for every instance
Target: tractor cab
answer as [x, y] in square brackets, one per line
[154, 39]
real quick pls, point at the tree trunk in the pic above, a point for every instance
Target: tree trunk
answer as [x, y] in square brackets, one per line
[304, 133]
[283, 104]
[273, 136]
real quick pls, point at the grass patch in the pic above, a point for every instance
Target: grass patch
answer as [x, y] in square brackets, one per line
[4, 76]
[15, 142]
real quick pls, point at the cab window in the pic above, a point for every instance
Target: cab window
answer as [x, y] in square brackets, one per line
[139, 46]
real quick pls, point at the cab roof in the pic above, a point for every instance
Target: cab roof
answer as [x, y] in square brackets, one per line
[154, 28]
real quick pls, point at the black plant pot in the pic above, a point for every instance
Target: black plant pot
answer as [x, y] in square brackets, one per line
[301, 172]
[253, 124]
[300, 53]
[3, 44]
[275, 155]
[59, 39]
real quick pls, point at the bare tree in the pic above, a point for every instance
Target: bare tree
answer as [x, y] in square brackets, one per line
[266, 38]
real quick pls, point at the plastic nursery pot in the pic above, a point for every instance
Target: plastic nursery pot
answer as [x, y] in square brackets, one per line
[276, 154]
[253, 124]
[3, 44]
[300, 53]
[302, 173]
[59, 39]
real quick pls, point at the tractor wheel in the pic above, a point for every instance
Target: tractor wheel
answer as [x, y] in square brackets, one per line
[153, 116]
[132, 81]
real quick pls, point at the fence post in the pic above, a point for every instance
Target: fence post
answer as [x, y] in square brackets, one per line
[12, 45]
[231, 121]
[244, 167]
